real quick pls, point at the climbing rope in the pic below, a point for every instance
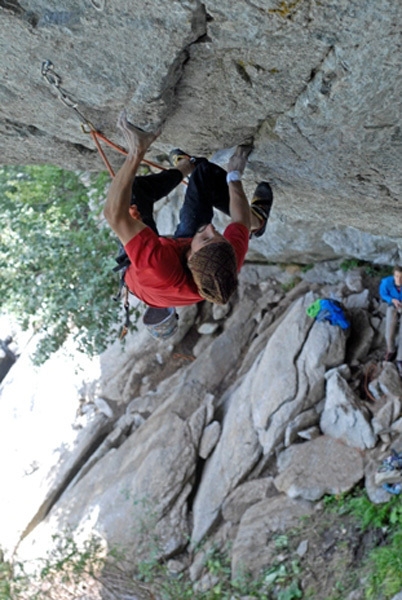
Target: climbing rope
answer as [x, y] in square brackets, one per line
[87, 127]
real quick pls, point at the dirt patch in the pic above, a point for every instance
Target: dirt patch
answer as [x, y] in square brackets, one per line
[332, 551]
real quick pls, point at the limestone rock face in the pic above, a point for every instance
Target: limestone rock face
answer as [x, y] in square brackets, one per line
[316, 84]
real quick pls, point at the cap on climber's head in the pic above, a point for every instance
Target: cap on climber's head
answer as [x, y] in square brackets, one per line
[214, 270]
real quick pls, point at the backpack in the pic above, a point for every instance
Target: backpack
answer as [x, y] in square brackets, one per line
[329, 310]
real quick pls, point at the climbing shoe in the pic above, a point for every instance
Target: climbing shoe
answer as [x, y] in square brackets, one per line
[176, 155]
[261, 206]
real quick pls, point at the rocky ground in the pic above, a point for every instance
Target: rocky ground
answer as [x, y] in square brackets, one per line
[232, 436]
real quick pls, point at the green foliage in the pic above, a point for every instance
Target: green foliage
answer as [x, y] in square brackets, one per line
[71, 559]
[384, 563]
[279, 581]
[67, 565]
[350, 263]
[5, 579]
[370, 269]
[385, 516]
[385, 579]
[56, 257]
[286, 287]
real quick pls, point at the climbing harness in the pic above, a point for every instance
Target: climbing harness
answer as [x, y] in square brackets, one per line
[87, 127]
[122, 263]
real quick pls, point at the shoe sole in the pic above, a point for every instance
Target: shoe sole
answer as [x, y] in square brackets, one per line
[261, 205]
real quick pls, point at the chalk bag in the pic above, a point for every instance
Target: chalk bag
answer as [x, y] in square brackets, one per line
[161, 322]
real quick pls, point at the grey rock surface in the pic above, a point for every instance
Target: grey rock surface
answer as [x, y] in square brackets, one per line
[209, 439]
[157, 449]
[322, 466]
[326, 126]
[290, 374]
[245, 495]
[374, 491]
[345, 418]
[387, 383]
[254, 545]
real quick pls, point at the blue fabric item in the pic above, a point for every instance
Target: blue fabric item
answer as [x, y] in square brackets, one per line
[392, 488]
[389, 291]
[332, 311]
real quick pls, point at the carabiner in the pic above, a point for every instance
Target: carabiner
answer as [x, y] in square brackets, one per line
[50, 75]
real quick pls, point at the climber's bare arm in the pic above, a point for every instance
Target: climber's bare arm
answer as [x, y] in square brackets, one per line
[239, 207]
[117, 211]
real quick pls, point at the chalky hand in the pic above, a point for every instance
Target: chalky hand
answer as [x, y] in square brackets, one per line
[137, 140]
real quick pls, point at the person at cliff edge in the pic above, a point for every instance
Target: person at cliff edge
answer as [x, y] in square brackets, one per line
[197, 263]
[391, 293]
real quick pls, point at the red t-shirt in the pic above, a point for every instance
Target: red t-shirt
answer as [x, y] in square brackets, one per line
[158, 275]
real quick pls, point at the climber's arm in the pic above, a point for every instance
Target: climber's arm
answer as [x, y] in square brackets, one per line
[122, 217]
[239, 208]
[117, 211]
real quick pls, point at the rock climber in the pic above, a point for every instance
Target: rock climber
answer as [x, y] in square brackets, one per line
[391, 293]
[198, 262]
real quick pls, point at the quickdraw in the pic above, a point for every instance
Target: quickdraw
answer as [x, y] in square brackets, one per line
[87, 127]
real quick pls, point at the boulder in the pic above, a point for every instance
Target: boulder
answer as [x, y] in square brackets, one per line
[304, 421]
[245, 495]
[209, 439]
[386, 415]
[286, 377]
[322, 466]
[236, 453]
[344, 417]
[140, 487]
[387, 383]
[360, 300]
[164, 448]
[354, 280]
[290, 374]
[254, 547]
